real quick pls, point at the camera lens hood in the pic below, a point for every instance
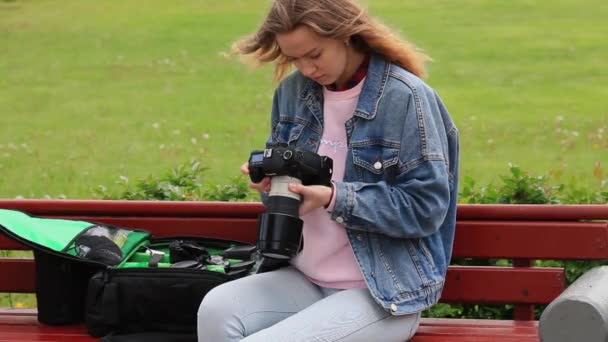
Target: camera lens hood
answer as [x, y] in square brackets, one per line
[279, 236]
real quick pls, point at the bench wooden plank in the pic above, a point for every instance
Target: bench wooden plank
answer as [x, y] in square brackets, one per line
[431, 329]
[503, 285]
[443, 338]
[56, 334]
[531, 240]
[475, 330]
[543, 212]
[117, 208]
[469, 322]
[22, 325]
[480, 331]
[475, 239]
[243, 229]
[568, 212]
[18, 317]
[465, 283]
[18, 275]
[10, 244]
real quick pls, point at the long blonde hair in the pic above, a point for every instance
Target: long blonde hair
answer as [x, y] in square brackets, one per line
[338, 19]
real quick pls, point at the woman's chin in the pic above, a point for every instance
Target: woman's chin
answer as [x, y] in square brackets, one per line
[323, 80]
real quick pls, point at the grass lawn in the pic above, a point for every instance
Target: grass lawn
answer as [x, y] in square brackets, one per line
[91, 90]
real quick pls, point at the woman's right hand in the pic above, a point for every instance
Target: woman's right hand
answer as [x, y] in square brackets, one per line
[262, 186]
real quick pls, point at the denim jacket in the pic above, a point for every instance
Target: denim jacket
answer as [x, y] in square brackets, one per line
[397, 201]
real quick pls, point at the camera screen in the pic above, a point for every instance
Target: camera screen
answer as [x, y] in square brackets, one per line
[257, 157]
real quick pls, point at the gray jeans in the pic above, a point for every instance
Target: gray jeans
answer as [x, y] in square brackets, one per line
[285, 306]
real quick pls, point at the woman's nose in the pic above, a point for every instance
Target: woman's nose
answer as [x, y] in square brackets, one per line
[307, 68]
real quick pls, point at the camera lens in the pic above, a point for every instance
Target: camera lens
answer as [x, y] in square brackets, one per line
[280, 227]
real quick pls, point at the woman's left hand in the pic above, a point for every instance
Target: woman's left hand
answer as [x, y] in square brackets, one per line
[313, 196]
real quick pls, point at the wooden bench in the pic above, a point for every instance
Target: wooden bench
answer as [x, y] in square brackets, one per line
[522, 233]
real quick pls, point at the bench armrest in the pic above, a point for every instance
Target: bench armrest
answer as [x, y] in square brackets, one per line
[581, 312]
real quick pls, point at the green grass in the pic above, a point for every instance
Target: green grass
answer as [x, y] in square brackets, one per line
[91, 90]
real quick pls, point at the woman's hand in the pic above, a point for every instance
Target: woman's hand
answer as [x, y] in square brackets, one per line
[262, 186]
[313, 196]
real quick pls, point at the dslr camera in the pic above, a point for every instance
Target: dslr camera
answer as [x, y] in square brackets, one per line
[280, 228]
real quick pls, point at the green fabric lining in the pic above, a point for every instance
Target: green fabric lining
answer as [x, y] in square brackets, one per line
[51, 233]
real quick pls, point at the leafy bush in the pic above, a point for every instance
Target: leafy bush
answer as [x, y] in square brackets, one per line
[521, 188]
[183, 183]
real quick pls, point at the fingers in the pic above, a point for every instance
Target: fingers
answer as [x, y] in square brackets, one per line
[245, 168]
[314, 196]
[263, 185]
[297, 188]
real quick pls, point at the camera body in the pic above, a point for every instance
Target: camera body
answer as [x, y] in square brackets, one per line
[309, 167]
[280, 228]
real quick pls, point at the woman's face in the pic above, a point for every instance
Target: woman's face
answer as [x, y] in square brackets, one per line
[319, 58]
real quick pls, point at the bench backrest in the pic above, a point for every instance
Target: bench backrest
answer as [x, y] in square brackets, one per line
[522, 233]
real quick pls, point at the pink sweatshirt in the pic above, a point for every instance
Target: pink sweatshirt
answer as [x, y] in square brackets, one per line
[327, 257]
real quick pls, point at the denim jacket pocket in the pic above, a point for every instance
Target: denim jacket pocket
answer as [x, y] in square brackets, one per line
[375, 163]
[286, 132]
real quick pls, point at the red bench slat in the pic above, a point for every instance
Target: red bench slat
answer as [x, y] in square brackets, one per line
[444, 338]
[243, 229]
[431, 329]
[531, 240]
[464, 284]
[118, 208]
[476, 239]
[481, 284]
[18, 275]
[477, 331]
[468, 322]
[10, 244]
[551, 212]
[18, 317]
[50, 334]
[251, 209]
[22, 325]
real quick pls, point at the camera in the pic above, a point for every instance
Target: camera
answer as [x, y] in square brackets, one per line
[280, 228]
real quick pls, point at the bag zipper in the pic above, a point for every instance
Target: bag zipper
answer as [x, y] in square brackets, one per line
[160, 272]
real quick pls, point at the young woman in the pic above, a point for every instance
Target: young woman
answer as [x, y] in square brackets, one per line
[377, 243]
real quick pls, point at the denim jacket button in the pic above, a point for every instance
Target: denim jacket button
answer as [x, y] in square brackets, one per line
[359, 237]
[394, 307]
[339, 219]
[377, 165]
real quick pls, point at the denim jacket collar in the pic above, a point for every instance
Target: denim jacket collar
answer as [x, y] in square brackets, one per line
[373, 88]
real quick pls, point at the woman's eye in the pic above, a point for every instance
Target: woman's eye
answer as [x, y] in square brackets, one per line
[316, 56]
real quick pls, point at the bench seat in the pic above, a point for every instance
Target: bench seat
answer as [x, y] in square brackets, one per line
[22, 325]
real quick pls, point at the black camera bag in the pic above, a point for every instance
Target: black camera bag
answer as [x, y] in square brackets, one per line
[139, 300]
[113, 300]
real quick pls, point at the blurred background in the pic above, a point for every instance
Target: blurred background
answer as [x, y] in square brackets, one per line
[98, 92]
